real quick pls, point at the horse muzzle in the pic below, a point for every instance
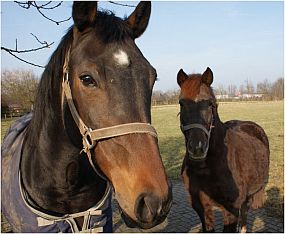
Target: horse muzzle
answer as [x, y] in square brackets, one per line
[197, 140]
[149, 211]
[197, 152]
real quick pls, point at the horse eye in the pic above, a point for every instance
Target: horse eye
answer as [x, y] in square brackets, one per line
[87, 80]
[211, 104]
[156, 78]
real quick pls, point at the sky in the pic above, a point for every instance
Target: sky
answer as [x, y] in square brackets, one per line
[239, 41]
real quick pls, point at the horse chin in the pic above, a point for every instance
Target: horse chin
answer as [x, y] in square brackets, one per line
[136, 224]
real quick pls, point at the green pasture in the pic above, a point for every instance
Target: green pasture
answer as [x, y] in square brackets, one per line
[269, 115]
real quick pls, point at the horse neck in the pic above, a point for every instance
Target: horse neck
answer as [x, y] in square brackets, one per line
[52, 168]
[217, 134]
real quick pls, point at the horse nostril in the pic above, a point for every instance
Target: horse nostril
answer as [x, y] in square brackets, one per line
[147, 208]
[195, 148]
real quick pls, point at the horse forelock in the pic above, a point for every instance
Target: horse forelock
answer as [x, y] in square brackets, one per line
[191, 87]
[111, 28]
[194, 89]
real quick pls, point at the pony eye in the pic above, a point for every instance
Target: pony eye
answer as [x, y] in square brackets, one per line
[88, 80]
[155, 75]
[211, 104]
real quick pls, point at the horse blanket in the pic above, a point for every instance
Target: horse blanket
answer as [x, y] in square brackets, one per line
[23, 215]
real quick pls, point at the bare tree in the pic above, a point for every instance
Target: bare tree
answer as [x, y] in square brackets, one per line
[249, 88]
[19, 87]
[263, 87]
[277, 89]
[220, 90]
[232, 89]
[241, 89]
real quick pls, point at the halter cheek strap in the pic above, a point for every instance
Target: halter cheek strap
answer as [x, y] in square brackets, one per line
[90, 137]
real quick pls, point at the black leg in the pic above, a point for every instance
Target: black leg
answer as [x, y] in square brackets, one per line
[230, 221]
[230, 228]
[205, 215]
[243, 218]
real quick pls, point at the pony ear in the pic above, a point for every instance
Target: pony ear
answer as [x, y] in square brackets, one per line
[84, 14]
[138, 20]
[181, 77]
[207, 77]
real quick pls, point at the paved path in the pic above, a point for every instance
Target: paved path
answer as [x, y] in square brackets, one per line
[182, 218]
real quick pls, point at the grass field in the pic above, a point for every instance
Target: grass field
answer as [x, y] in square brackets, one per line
[269, 115]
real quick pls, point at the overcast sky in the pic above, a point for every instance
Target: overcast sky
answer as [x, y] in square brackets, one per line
[237, 40]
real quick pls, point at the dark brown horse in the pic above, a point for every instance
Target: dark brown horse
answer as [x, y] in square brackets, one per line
[226, 164]
[92, 112]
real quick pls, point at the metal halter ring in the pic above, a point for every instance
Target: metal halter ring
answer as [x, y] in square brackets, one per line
[88, 142]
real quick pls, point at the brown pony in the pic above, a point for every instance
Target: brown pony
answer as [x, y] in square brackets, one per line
[226, 164]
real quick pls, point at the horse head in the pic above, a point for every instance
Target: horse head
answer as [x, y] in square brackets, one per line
[111, 85]
[197, 111]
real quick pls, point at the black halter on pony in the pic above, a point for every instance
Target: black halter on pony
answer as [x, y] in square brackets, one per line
[195, 123]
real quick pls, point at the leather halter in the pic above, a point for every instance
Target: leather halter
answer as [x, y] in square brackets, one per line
[90, 136]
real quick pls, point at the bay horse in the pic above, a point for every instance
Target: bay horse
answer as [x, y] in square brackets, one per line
[226, 164]
[89, 132]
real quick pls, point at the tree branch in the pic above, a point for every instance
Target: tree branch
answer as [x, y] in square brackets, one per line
[50, 5]
[43, 43]
[12, 52]
[120, 4]
[25, 51]
[23, 60]
[39, 8]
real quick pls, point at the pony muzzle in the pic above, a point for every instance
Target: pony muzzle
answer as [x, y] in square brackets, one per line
[197, 156]
[197, 151]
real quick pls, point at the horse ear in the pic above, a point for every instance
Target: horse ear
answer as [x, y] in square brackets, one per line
[181, 77]
[84, 14]
[207, 77]
[138, 20]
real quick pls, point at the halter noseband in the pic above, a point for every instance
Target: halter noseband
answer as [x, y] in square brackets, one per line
[90, 137]
[187, 127]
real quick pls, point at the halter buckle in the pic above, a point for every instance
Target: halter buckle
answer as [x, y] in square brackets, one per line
[88, 142]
